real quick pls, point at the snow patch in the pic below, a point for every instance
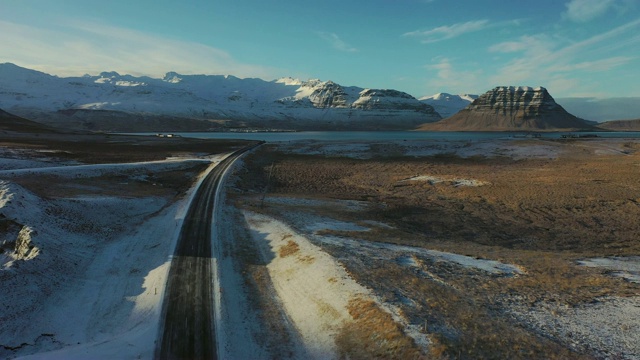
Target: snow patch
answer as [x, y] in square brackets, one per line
[609, 327]
[456, 182]
[625, 267]
[314, 289]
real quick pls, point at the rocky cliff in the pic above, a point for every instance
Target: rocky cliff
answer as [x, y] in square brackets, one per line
[510, 108]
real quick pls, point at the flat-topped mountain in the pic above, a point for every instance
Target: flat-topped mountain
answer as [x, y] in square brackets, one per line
[510, 108]
[214, 100]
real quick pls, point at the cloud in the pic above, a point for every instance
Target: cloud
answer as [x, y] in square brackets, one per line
[336, 42]
[449, 79]
[546, 61]
[77, 47]
[598, 65]
[586, 10]
[448, 32]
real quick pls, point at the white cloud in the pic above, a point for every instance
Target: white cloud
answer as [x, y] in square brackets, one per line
[448, 32]
[508, 46]
[336, 42]
[543, 60]
[76, 48]
[598, 65]
[449, 79]
[586, 10]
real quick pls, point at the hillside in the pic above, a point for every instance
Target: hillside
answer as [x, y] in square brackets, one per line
[13, 123]
[509, 108]
[227, 100]
[621, 125]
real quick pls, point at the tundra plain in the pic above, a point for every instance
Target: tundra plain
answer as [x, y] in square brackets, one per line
[514, 248]
[477, 248]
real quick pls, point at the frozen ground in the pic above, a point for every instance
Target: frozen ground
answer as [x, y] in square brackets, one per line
[514, 148]
[608, 328]
[94, 286]
[315, 226]
[89, 281]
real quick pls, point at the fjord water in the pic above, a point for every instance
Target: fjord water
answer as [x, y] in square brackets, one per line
[389, 135]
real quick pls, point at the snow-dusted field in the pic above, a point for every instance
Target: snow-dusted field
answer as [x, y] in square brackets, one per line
[513, 148]
[89, 278]
[83, 272]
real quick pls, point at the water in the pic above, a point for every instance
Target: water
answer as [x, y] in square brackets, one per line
[387, 135]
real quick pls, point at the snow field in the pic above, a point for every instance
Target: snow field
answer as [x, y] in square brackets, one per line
[95, 289]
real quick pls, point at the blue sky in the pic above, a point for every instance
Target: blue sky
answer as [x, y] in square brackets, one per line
[573, 48]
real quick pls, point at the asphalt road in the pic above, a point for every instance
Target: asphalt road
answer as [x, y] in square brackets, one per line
[187, 325]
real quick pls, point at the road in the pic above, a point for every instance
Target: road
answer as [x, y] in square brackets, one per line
[187, 323]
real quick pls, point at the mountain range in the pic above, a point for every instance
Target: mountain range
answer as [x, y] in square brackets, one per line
[176, 102]
[203, 102]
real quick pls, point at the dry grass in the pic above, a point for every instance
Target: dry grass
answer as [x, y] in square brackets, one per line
[132, 184]
[95, 149]
[290, 248]
[374, 335]
[542, 214]
[584, 203]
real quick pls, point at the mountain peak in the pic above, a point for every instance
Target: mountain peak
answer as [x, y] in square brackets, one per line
[289, 81]
[109, 74]
[172, 77]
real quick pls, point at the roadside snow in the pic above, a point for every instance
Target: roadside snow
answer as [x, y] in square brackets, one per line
[314, 289]
[95, 289]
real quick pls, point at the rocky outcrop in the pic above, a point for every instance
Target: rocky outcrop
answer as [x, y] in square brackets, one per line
[24, 249]
[329, 94]
[510, 108]
[372, 99]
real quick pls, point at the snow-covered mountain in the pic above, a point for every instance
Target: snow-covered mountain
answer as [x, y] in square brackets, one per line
[282, 103]
[447, 104]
